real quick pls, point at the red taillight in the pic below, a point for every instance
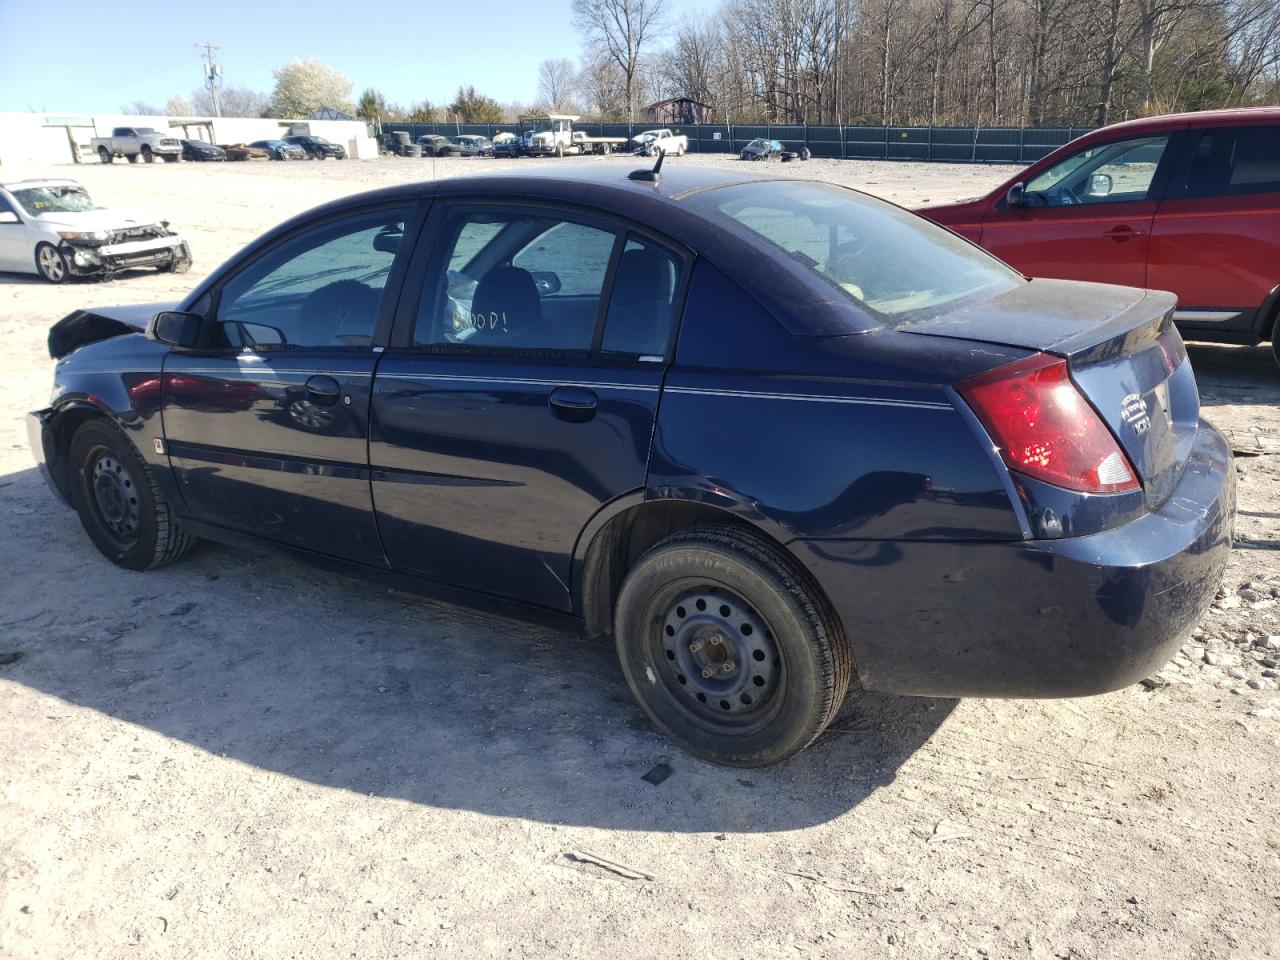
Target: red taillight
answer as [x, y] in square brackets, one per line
[1046, 429]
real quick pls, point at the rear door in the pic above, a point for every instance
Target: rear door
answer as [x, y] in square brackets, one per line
[1216, 238]
[267, 428]
[1088, 216]
[522, 395]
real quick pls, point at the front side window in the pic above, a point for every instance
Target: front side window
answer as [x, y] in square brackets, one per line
[517, 278]
[320, 289]
[1105, 173]
[895, 265]
[1234, 162]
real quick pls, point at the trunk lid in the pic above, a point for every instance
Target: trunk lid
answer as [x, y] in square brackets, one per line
[1123, 351]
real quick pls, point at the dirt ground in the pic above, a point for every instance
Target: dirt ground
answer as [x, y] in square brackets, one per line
[238, 756]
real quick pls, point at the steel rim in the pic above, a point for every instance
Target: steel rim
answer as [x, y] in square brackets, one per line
[718, 657]
[115, 498]
[51, 264]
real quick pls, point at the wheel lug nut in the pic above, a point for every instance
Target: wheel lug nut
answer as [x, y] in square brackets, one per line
[695, 646]
[729, 666]
[708, 673]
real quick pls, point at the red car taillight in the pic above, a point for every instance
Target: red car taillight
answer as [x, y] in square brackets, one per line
[1046, 429]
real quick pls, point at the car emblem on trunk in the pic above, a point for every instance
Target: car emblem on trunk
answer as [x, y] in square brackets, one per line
[1133, 411]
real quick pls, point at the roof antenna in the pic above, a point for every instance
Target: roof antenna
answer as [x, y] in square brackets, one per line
[650, 176]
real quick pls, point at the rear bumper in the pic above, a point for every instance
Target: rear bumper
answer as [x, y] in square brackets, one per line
[40, 439]
[1047, 618]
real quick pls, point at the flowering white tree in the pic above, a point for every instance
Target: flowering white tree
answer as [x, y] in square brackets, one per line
[305, 86]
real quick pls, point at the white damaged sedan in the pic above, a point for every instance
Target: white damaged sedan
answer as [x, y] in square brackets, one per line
[54, 229]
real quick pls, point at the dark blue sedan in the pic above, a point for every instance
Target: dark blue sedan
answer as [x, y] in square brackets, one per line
[773, 437]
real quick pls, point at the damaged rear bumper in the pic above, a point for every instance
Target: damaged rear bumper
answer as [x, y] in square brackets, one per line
[92, 261]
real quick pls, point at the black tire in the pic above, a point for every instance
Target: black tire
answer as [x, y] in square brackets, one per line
[147, 155]
[132, 158]
[105, 155]
[720, 599]
[805, 154]
[119, 502]
[170, 158]
[1275, 341]
[51, 264]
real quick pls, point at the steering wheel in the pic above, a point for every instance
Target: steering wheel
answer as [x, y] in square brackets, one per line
[1066, 197]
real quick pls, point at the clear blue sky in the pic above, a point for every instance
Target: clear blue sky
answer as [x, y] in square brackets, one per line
[91, 56]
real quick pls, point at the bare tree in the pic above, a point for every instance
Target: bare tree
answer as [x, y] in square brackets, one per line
[556, 80]
[623, 28]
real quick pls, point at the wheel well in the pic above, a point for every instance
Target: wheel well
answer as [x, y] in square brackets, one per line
[64, 427]
[624, 539]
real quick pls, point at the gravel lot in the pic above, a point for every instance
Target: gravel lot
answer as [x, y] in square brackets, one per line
[239, 756]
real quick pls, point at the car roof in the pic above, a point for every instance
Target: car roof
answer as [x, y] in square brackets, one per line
[38, 182]
[1198, 118]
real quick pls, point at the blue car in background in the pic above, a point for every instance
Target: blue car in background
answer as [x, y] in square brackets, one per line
[774, 438]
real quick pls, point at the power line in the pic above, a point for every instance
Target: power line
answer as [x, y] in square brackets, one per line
[212, 74]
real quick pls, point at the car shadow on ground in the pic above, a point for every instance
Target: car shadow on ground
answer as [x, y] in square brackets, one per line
[1233, 374]
[346, 684]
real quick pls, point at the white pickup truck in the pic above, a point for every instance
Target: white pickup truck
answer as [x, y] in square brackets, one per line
[134, 142]
[651, 141]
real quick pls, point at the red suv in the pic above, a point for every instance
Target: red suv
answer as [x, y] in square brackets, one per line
[1187, 203]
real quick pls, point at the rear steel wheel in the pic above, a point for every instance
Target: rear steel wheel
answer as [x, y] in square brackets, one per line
[730, 647]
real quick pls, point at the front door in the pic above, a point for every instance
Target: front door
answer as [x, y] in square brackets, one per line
[267, 430]
[524, 399]
[1088, 217]
[17, 249]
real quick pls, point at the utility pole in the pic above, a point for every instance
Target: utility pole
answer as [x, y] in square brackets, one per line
[212, 74]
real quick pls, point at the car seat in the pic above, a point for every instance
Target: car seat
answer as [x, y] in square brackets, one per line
[344, 308]
[507, 310]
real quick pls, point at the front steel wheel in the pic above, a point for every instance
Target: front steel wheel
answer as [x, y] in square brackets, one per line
[120, 505]
[730, 647]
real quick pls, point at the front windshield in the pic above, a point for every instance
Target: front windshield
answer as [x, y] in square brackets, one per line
[141, 131]
[895, 265]
[319, 140]
[758, 143]
[64, 198]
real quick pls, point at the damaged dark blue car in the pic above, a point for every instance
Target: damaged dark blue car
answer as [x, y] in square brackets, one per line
[773, 437]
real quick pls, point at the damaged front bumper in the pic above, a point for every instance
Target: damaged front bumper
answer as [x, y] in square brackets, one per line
[40, 437]
[98, 260]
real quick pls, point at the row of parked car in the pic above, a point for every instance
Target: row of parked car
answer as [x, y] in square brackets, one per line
[290, 148]
[148, 144]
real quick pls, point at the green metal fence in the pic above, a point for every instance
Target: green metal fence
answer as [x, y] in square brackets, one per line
[935, 144]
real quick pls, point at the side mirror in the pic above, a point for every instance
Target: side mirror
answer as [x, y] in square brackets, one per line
[546, 282]
[177, 328]
[1017, 195]
[1099, 184]
[387, 240]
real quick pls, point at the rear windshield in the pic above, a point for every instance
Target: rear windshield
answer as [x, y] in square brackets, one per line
[894, 265]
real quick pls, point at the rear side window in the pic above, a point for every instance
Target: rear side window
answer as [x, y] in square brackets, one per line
[521, 278]
[1234, 162]
[893, 264]
[642, 301]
